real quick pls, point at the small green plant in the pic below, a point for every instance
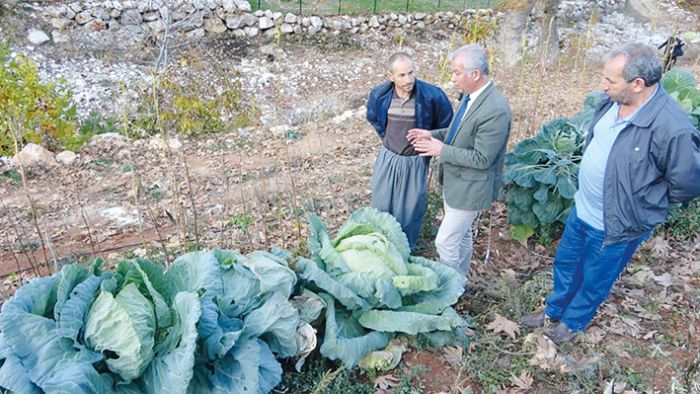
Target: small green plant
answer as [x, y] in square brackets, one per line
[683, 220]
[242, 221]
[14, 176]
[93, 125]
[31, 110]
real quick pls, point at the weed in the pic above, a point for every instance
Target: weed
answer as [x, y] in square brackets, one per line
[14, 176]
[683, 221]
[241, 221]
[315, 378]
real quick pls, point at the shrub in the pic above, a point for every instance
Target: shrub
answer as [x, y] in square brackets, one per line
[31, 110]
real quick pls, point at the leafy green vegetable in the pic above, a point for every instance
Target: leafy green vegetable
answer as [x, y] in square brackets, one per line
[213, 322]
[373, 289]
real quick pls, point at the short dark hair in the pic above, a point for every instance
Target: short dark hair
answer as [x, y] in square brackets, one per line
[396, 56]
[641, 61]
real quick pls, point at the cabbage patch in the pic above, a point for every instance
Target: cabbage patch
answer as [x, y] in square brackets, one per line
[213, 322]
[374, 290]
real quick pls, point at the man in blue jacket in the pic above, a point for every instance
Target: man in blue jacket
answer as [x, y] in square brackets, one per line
[642, 153]
[399, 181]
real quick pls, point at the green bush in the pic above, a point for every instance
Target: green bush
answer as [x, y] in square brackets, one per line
[31, 110]
[541, 175]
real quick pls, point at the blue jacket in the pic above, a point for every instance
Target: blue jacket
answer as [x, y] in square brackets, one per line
[654, 161]
[433, 108]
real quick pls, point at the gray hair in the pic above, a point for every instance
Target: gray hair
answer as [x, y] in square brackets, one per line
[641, 61]
[396, 56]
[474, 58]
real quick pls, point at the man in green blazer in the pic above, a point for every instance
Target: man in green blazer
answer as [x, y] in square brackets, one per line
[471, 152]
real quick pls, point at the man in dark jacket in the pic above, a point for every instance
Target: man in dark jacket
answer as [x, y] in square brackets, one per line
[399, 181]
[642, 153]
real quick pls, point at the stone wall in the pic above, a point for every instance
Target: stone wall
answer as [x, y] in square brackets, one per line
[197, 18]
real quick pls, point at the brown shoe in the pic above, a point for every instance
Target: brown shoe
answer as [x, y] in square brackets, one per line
[561, 334]
[535, 320]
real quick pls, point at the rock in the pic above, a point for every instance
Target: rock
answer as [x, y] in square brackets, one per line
[156, 27]
[419, 16]
[60, 23]
[268, 13]
[214, 25]
[96, 25]
[298, 29]
[196, 33]
[75, 7]
[131, 17]
[66, 157]
[107, 142]
[151, 16]
[158, 143]
[243, 5]
[37, 37]
[5, 164]
[305, 21]
[313, 30]
[121, 216]
[265, 23]
[101, 13]
[374, 21]
[83, 17]
[316, 22]
[115, 13]
[290, 18]
[402, 19]
[251, 31]
[33, 155]
[228, 5]
[286, 28]
[59, 37]
[276, 16]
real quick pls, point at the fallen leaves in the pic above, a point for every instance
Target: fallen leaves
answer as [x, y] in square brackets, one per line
[523, 381]
[503, 325]
[545, 355]
[385, 382]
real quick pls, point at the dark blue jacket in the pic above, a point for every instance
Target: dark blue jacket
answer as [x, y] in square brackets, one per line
[654, 161]
[433, 108]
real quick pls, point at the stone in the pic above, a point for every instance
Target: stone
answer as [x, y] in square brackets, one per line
[96, 25]
[305, 21]
[243, 5]
[37, 37]
[268, 13]
[337, 25]
[33, 155]
[131, 17]
[298, 29]
[258, 14]
[419, 16]
[286, 28]
[59, 37]
[316, 22]
[239, 33]
[229, 5]
[290, 18]
[214, 25]
[276, 16]
[70, 14]
[101, 13]
[156, 26]
[115, 14]
[374, 21]
[420, 25]
[66, 157]
[251, 31]
[265, 23]
[83, 17]
[151, 16]
[313, 30]
[196, 33]
[60, 23]
[76, 7]
[402, 19]
[240, 21]
[5, 164]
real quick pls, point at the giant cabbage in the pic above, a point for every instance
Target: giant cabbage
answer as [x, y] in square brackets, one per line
[374, 289]
[213, 322]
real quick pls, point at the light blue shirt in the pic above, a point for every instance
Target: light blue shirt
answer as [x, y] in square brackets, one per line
[589, 197]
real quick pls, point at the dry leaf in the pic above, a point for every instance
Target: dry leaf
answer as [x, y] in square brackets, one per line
[453, 354]
[664, 280]
[546, 353]
[501, 324]
[385, 382]
[649, 335]
[524, 381]
[659, 247]
[616, 349]
[509, 274]
[594, 335]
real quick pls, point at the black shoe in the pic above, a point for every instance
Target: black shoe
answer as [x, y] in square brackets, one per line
[535, 320]
[561, 334]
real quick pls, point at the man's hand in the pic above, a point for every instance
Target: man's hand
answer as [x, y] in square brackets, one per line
[417, 134]
[428, 146]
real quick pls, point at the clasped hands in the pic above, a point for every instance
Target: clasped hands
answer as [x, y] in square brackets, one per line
[424, 143]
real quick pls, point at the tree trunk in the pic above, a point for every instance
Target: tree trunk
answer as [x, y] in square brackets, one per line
[514, 24]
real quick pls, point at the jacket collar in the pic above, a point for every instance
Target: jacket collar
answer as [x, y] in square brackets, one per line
[643, 118]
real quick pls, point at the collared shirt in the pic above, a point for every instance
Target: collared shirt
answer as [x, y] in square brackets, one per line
[589, 197]
[401, 117]
[472, 98]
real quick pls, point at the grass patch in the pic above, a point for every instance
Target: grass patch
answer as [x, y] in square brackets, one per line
[326, 7]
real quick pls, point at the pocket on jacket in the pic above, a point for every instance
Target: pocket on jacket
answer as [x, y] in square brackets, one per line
[473, 176]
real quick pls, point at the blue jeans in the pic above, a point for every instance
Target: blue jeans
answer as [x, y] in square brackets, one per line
[584, 272]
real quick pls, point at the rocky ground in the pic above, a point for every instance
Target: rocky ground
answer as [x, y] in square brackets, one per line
[312, 151]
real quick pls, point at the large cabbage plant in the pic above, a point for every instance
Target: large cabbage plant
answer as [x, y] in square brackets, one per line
[213, 322]
[374, 290]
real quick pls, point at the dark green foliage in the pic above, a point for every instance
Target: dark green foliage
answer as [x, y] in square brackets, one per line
[541, 174]
[683, 221]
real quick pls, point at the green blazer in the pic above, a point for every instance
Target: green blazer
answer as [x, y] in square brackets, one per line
[472, 167]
